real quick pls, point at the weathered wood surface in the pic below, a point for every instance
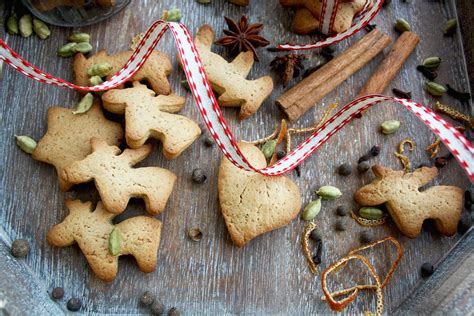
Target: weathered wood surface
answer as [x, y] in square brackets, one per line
[270, 274]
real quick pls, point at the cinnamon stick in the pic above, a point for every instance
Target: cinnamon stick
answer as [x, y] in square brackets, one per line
[391, 64]
[299, 99]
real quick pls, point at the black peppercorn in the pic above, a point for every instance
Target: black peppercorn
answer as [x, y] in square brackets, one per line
[375, 151]
[340, 225]
[365, 237]
[363, 166]
[345, 169]
[157, 308]
[281, 154]
[315, 235]
[74, 304]
[173, 312]
[427, 269]
[199, 176]
[342, 210]
[465, 222]
[208, 141]
[57, 293]
[147, 299]
[20, 248]
[440, 162]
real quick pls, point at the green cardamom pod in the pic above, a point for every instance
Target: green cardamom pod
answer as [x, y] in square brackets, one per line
[101, 70]
[12, 25]
[268, 148]
[85, 104]
[390, 126]
[311, 210]
[25, 25]
[450, 27]
[173, 15]
[79, 37]
[41, 29]
[26, 143]
[402, 25]
[114, 242]
[82, 47]
[203, 1]
[329, 192]
[370, 213]
[435, 89]
[432, 62]
[67, 50]
[95, 80]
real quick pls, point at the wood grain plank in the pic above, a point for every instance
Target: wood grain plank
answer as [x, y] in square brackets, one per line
[270, 274]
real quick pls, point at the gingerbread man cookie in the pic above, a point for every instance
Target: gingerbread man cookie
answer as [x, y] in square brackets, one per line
[253, 204]
[117, 181]
[229, 79]
[308, 12]
[68, 137]
[147, 115]
[409, 207]
[102, 242]
[155, 70]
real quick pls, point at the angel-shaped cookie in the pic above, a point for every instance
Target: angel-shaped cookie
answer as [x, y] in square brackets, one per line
[147, 115]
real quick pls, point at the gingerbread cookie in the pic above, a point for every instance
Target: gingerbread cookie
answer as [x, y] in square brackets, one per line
[253, 204]
[117, 181]
[155, 70]
[409, 207]
[148, 115]
[308, 12]
[68, 137]
[137, 236]
[228, 79]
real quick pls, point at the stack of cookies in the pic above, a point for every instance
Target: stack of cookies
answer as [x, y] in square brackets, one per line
[84, 147]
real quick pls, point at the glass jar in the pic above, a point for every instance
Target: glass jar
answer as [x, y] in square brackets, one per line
[74, 13]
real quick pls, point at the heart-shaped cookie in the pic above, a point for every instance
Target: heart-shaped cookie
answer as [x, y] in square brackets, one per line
[253, 204]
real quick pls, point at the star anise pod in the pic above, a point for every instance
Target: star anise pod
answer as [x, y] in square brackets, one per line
[288, 66]
[242, 36]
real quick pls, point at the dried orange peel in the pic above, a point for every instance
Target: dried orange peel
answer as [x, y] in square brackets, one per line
[352, 292]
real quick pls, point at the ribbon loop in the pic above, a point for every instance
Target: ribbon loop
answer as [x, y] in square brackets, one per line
[201, 89]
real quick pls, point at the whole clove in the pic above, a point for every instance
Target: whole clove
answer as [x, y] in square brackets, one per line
[401, 94]
[429, 74]
[458, 95]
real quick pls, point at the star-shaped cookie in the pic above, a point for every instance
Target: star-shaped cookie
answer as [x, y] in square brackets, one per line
[68, 137]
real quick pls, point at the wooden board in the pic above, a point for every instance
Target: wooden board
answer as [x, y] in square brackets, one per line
[270, 274]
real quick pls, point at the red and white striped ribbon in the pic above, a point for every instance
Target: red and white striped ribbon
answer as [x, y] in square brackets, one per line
[328, 15]
[461, 148]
